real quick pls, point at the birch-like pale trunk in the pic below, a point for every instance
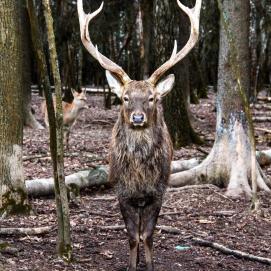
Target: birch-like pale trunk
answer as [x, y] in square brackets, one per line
[64, 239]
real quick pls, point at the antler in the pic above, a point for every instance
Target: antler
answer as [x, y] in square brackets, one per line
[84, 20]
[194, 16]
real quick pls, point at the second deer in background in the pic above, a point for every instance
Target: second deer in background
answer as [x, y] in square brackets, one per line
[71, 112]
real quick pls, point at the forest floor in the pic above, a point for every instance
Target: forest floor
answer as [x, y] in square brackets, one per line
[197, 212]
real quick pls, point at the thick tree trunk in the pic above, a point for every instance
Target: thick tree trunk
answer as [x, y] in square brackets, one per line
[64, 239]
[232, 161]
[168, 27]
[13, 197]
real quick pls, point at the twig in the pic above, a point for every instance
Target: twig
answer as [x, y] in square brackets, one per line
[37, 156]
[261, 119]
[187, 187]
[236, 253]
[168, 229]
[202, 150]
[104, 198]
[263, 130]
[223, 196]
[26, 231]
[112, 227]
[171, 213]
[265, 99]
[163, 228]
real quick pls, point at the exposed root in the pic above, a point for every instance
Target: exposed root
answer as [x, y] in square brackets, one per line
[228, 165]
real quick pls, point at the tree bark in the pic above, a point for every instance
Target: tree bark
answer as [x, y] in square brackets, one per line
[29, 119]
[170, 25]
[13, 197]
[146, 7]
[232, 161]
[64, 239]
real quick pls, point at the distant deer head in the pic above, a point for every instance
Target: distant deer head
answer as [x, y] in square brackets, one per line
[71, 111]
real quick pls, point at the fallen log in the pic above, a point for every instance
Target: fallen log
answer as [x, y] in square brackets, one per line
[99, 176]
[89, 178]
[79, 180]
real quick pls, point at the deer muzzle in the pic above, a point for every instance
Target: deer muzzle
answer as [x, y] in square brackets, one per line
[138, 119]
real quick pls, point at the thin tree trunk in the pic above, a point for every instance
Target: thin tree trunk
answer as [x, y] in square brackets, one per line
[64, 239]
[13, 197]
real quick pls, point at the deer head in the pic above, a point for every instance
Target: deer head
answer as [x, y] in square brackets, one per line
[140, 98]
[79, 99]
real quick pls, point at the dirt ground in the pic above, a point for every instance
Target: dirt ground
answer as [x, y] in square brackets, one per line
[204, 213]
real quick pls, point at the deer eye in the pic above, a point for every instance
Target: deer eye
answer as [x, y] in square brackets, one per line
[151, 99]
[126, 99]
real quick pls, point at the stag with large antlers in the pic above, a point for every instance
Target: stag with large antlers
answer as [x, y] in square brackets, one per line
[141, 149]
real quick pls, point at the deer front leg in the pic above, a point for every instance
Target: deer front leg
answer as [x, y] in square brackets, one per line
[130, 216]
[148, 222]
[66, 137]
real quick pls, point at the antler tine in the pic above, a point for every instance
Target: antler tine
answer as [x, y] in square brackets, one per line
[106, 63]
[194, 17]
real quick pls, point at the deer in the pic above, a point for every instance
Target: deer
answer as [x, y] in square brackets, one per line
[71, 112]
[141, 149]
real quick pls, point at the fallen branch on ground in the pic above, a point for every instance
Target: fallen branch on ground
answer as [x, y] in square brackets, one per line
[195, 186]
[163, 228]
[261, 119]
[236, 253]
[97, 176]
[263, 130]
[25, 231]
[202, 242]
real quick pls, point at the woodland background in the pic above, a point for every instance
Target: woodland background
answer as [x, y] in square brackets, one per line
[139, 36]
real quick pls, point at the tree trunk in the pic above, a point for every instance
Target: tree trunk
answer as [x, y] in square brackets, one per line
[170, 25]
[29, 119]
[232, 162]
[146, 8]
[64, 240]
[13, 197]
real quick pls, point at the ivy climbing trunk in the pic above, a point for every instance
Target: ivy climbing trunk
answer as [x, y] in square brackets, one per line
[231, 162]
[13, 198]
[171, 24]
[64, 239]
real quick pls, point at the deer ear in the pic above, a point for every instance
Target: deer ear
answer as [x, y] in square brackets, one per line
[73, 92]
[114, 83]
[166, 85]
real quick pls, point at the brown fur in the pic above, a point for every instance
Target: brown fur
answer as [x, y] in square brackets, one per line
[71, 111]
[140, 166]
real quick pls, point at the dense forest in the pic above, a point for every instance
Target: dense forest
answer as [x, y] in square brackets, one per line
[129, 122]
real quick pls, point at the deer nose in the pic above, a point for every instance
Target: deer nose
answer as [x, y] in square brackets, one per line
[138, 118]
